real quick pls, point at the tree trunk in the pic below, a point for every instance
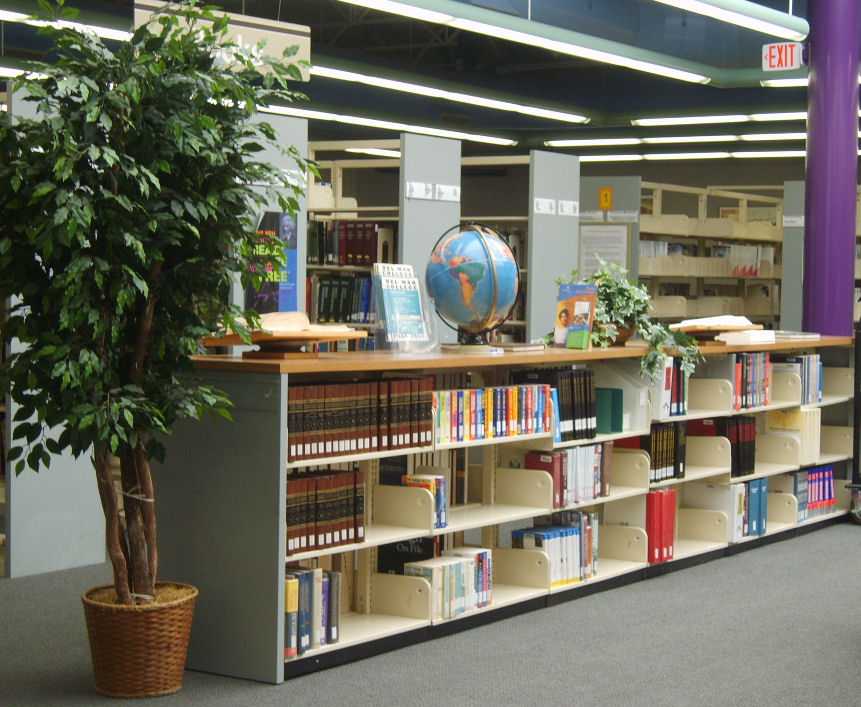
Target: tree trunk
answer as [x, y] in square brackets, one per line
[141, 583]
[144, 479]
[113, 534]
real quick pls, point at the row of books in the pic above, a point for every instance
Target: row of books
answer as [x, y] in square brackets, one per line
[661, 524]
[324, 510]
[570, 541]
[453, 464]
[312, 609]
[741, 433]
[461, 580]
[813, 488]
[745, 504]
[808, 367]
[486, 413]
[342, 298]
[666, 445]
[576, 395]
[436, 484]
[350, 242]
[359, 417]
[670, 390]
[801, 424]
[749, 373]
[579, 474]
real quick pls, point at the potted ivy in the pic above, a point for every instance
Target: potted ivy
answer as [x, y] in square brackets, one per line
[622, 310]
[128, 211]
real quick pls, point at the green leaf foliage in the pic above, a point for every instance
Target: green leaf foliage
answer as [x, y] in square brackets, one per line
[128, 208]
[623, 304]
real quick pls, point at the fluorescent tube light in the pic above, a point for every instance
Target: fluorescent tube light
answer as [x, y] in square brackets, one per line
[375, 151]
[758, 154]
[714, 119]
[768, 137]
[766, 117]
[690, 120]
[387, 125]
[673, 139]
[799, 82]
[458, 15]
[610, 158]
[379, 81]
[594, 142]
[553, 45]
[404, 9]
[686, 156]
[748, 15]
[106, 32]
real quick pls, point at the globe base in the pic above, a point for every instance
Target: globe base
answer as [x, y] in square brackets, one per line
[469, 349]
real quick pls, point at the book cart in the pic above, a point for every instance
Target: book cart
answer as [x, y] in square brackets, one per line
[223, 502]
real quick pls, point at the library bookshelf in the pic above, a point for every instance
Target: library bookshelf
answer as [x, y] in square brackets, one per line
[223, 488]
[697, 264]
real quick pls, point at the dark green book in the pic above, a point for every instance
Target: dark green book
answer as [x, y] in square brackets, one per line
[608, 410]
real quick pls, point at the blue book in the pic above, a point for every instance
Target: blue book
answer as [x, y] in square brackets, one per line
[753, 511]
[305, 616]
[324, 611]
[763, 505]
[557, 426]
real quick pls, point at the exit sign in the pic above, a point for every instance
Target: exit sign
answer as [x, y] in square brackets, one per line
[781, 56]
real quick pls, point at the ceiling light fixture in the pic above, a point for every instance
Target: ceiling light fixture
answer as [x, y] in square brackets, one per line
[105, 32]
[759, 154]
[767, 117]
[375, 151]
[610, 158]
[686, 156]
[689, 120]
[673, 139]
[404, 9]
[768, 137]
[387, 125]
[749, 15]
[716, 119]
[431, 92]
[799, 82]
[534, 34]
[594, 142]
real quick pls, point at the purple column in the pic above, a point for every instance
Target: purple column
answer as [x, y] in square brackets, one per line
[832, 167]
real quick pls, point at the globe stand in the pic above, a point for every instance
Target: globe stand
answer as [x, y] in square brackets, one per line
[469, 343]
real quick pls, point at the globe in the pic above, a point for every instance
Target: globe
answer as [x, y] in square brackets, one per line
[473, 280]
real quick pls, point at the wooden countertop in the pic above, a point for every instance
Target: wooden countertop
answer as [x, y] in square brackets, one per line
[380, 361]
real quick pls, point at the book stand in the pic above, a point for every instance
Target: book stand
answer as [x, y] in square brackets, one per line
[283, 346]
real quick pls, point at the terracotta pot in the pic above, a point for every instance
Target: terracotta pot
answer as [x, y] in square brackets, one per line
[139, 650]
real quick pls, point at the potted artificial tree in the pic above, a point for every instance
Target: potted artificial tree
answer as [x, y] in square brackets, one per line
[128, 210]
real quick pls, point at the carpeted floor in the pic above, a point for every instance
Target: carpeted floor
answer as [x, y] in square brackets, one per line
[778, 625]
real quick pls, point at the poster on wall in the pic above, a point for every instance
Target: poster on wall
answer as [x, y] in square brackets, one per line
[279, 289]
[610, 241]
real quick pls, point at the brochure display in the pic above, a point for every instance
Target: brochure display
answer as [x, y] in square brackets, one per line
[403, 322]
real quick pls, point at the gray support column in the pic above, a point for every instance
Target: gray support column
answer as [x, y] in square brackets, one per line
[832, 165]
[554, 234]
[429, 202]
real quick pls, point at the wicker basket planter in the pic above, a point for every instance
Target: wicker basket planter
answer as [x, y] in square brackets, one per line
[139, 651]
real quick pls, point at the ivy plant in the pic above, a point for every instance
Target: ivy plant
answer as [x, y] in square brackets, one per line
[623, 304]
[128, 209]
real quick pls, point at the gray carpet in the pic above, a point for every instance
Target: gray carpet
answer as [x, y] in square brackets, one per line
[778, 625]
